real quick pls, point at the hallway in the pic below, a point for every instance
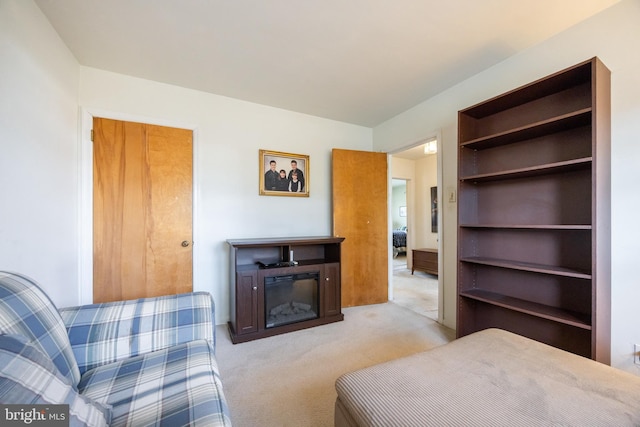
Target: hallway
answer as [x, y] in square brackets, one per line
[417, 292]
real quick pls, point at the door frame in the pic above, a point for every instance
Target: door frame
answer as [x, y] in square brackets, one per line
[85, 192]
[439, 178]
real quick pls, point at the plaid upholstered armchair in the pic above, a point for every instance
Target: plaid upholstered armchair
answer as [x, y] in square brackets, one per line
[141, 362]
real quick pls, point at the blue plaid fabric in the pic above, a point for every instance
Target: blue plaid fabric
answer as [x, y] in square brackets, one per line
[27, 376]
[108, 332]
[177, 386]
[26, 310]
[150, 360]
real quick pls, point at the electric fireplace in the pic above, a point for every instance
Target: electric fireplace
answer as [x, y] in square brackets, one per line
[290, 298]
[281, 285]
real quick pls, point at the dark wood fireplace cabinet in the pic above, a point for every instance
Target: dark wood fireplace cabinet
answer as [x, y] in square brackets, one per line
[281, 285]
[534, 245]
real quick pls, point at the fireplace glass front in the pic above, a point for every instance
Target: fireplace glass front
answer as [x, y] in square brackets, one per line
[290, 298]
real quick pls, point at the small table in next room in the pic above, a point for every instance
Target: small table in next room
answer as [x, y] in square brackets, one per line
[426, 260]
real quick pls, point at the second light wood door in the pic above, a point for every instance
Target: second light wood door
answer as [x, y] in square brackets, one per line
[142, 204]
[360, 215]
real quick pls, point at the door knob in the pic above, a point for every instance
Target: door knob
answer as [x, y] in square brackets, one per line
[185, 243]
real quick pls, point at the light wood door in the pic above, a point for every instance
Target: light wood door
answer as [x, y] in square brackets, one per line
[360, 215]
[142, 210]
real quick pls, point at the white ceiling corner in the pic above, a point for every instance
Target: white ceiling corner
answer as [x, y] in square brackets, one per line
[356, 61]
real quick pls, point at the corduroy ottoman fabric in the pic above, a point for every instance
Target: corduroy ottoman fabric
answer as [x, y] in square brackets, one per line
[490, 378]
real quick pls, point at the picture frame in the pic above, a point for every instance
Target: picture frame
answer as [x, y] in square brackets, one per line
[403, 211]
[294, 183]
[434, 209]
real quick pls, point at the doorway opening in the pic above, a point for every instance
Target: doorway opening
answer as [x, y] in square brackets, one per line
[414, 220]
[399, 218]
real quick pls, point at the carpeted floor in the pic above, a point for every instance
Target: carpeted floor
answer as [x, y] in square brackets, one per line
[288, 380]
[417, 292]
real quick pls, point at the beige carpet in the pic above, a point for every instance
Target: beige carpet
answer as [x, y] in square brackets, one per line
[288, 380]
[417, 292]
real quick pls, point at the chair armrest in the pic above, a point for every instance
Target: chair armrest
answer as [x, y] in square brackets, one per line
[107, 332]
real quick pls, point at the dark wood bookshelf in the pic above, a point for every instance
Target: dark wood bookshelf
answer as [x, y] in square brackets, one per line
[558, 167]
[534, 212]
[534, 130]
[529, 266]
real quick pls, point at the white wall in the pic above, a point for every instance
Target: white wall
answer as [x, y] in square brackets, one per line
[39, 166]
[611, 35]
[228, 135]
[38, 139]
[41, 88]
[426, 177]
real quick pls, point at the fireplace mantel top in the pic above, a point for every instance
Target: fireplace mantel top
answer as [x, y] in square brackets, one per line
[275, 241]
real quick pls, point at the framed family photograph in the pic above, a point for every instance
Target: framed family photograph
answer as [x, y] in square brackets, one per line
[283, 174]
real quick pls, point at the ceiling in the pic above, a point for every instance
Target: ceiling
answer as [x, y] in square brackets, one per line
[356, 61]
[414, 153]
